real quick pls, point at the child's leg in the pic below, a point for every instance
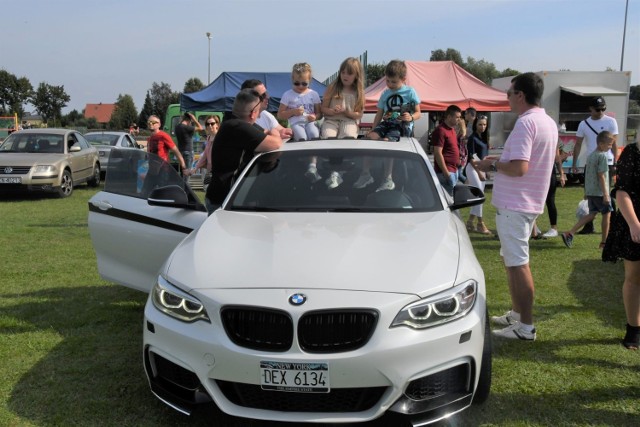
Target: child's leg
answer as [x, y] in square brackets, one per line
[348, 129]
[582, 221]
[312, 131]
[330, 128]
[373, 135]
[299, 134]
[605, 225]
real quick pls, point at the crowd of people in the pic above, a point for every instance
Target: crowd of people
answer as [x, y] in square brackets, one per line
[521, 183]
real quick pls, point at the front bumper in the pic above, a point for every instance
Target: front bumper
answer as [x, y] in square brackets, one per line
[425, 375]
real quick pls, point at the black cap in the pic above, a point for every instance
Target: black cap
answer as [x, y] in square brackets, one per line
[598, 102]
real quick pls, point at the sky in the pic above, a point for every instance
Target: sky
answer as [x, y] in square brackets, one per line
[100, 49]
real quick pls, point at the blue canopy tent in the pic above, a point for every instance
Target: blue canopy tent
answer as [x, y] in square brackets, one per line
[219, 95]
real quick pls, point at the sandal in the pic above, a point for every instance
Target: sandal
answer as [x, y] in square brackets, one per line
[469, 225]
[631, 339]
[482, 229]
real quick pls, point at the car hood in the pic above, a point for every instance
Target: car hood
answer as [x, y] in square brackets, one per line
[29, 159]
[416, 253]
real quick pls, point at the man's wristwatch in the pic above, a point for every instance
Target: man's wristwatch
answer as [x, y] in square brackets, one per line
[493, 166]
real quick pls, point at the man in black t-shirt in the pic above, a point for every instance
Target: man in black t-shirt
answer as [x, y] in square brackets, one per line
[184, 134]
[237, 138]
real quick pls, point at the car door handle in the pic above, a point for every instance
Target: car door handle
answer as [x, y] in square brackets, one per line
[103, 205]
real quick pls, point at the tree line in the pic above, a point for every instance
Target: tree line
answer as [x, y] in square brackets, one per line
[49, 100]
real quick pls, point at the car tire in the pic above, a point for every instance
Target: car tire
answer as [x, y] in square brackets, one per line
[484, 381]
[95, 181]
[66, 185]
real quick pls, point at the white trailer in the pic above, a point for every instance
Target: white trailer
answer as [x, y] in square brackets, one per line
[566, 99]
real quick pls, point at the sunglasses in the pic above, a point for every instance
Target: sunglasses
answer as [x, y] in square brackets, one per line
[305, 84]
[482, 117]
[152, 123]
[211, 123]
[599, 110]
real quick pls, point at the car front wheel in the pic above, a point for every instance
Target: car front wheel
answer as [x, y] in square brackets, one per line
[95, 181]
[66, 185]
[484, 382]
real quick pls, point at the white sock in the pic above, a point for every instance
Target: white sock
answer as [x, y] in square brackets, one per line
[515, 315]
[526, 328]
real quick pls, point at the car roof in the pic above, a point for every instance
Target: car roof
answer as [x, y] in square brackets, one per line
[106, 133]
[405, 144]
[49, 131]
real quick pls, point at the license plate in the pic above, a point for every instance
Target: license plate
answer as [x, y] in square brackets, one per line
[295, 377]
[11, 180]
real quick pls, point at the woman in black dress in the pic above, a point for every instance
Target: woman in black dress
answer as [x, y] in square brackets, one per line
[623, 241]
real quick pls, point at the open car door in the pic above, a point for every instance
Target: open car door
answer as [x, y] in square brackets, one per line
[143, 213]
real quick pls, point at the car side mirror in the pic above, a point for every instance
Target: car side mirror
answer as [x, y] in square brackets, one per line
[75, 148]
[465, 196]
[171, 196]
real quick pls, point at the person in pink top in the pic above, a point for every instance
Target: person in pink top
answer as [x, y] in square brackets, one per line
[520, 184]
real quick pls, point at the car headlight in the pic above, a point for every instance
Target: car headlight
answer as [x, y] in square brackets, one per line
[45, 169]
[438, 309]
[177, 304]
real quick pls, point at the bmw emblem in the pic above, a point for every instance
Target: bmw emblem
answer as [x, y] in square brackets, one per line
[297, 299]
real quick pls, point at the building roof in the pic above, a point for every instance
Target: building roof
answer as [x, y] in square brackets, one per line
[101, 112]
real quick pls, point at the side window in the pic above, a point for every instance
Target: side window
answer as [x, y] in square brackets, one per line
[71, 139]
[84, 144]
[135, 173]
[128, 141]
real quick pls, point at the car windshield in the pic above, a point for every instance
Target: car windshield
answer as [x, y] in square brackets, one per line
[277, 182]
[33, 143]
[102, 139]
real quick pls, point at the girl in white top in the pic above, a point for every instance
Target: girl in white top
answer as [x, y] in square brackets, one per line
[301, 104]
[343, 102]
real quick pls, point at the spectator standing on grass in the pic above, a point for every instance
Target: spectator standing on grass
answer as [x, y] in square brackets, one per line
[446, 154]
[184, 134]
[550, 202]
[520, 185]
[211, 126]
[596, 189]
[588, 131]
[478, 149]
[623, 241]
[160, 143]
[234, 145]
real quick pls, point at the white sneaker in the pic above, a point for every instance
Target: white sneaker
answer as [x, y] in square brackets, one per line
[364, 180]
[312, 174]
[515, 332]
[505, 320]
[551, 233]
[388, 184]
[334, 180]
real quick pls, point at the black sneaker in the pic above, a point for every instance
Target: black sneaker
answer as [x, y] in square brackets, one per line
[587, 229]
[567, 238]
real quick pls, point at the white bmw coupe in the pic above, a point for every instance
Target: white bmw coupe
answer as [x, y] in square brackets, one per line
[303, 298]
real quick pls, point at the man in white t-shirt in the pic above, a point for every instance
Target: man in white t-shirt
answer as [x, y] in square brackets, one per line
[266, 120]
[588, 131]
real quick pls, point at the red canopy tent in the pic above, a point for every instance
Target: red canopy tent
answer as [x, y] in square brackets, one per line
[440, 84]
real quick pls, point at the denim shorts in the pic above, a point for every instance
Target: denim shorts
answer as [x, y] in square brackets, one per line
[597, 205]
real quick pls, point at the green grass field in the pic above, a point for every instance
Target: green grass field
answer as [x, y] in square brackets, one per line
[70, 343]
